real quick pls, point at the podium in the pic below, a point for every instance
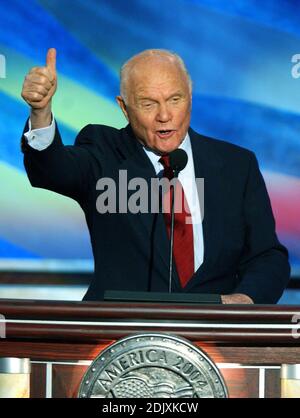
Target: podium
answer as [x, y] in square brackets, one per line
[248, 343]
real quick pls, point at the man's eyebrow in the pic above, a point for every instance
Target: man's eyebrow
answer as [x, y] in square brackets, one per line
[177, 93]
[145, 98]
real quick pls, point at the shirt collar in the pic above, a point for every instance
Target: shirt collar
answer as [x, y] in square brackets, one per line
[154, 158]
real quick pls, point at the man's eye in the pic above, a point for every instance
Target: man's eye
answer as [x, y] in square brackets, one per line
[175, 99]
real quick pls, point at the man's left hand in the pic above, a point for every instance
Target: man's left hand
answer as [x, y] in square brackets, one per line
[238, 298]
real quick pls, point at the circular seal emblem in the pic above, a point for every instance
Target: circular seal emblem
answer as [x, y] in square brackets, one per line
[152, 366]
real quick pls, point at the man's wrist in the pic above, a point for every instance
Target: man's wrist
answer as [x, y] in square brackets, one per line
[41, 118]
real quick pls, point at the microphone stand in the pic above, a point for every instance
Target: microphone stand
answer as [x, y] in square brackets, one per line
[173, 189]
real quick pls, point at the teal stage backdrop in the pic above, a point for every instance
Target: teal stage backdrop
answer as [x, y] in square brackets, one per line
[243, 57]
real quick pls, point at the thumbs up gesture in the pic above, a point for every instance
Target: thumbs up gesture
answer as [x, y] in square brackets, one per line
[40, 84]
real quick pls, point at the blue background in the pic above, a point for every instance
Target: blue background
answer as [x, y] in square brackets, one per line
[239, 55]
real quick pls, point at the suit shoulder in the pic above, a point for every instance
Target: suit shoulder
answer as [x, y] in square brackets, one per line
[97, 132]
[101, 136]
[225, 148]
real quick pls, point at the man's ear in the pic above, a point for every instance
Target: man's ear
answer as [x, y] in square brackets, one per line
[122, 105]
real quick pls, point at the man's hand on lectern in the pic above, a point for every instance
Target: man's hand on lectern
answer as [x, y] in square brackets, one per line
[38, 89]
[238, 298]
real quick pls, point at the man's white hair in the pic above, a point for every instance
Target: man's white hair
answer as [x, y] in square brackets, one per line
[128, 66]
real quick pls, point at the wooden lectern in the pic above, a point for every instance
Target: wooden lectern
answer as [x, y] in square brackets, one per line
[248, 343]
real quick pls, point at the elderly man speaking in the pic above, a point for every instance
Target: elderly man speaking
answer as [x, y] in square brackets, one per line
[229, 245]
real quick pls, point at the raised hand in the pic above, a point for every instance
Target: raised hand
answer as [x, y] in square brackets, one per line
[38, 89]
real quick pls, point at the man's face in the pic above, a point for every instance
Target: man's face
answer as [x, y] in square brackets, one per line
[158, 104]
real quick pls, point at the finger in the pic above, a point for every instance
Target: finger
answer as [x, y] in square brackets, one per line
[51, 60]
[31, 87]
[38, 79]
[45, 71]
[37, 88]
[32, 96]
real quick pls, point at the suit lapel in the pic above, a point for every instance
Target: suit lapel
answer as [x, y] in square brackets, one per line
[138, 165]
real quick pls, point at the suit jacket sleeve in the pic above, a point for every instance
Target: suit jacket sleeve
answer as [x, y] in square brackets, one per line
[264, 268]
[63, 169]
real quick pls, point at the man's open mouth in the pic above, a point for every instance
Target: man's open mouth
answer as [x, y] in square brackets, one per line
[164, 133]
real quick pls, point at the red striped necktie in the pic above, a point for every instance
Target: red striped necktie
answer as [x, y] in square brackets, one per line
[183, 250]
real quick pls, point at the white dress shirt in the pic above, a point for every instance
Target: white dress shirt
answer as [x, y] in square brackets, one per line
[40, 139]
[187, 179]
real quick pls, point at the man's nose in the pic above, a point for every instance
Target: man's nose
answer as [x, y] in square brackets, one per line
[163, 114]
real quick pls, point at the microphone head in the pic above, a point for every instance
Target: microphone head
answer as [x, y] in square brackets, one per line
[178, 159]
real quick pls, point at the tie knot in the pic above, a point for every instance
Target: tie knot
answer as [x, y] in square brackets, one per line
[165, 161]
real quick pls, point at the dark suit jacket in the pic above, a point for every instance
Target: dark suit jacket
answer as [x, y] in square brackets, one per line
[241, 251]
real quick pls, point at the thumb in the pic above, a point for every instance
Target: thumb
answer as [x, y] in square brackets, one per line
[51, 60]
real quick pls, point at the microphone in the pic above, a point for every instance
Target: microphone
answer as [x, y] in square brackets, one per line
[178, 160]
